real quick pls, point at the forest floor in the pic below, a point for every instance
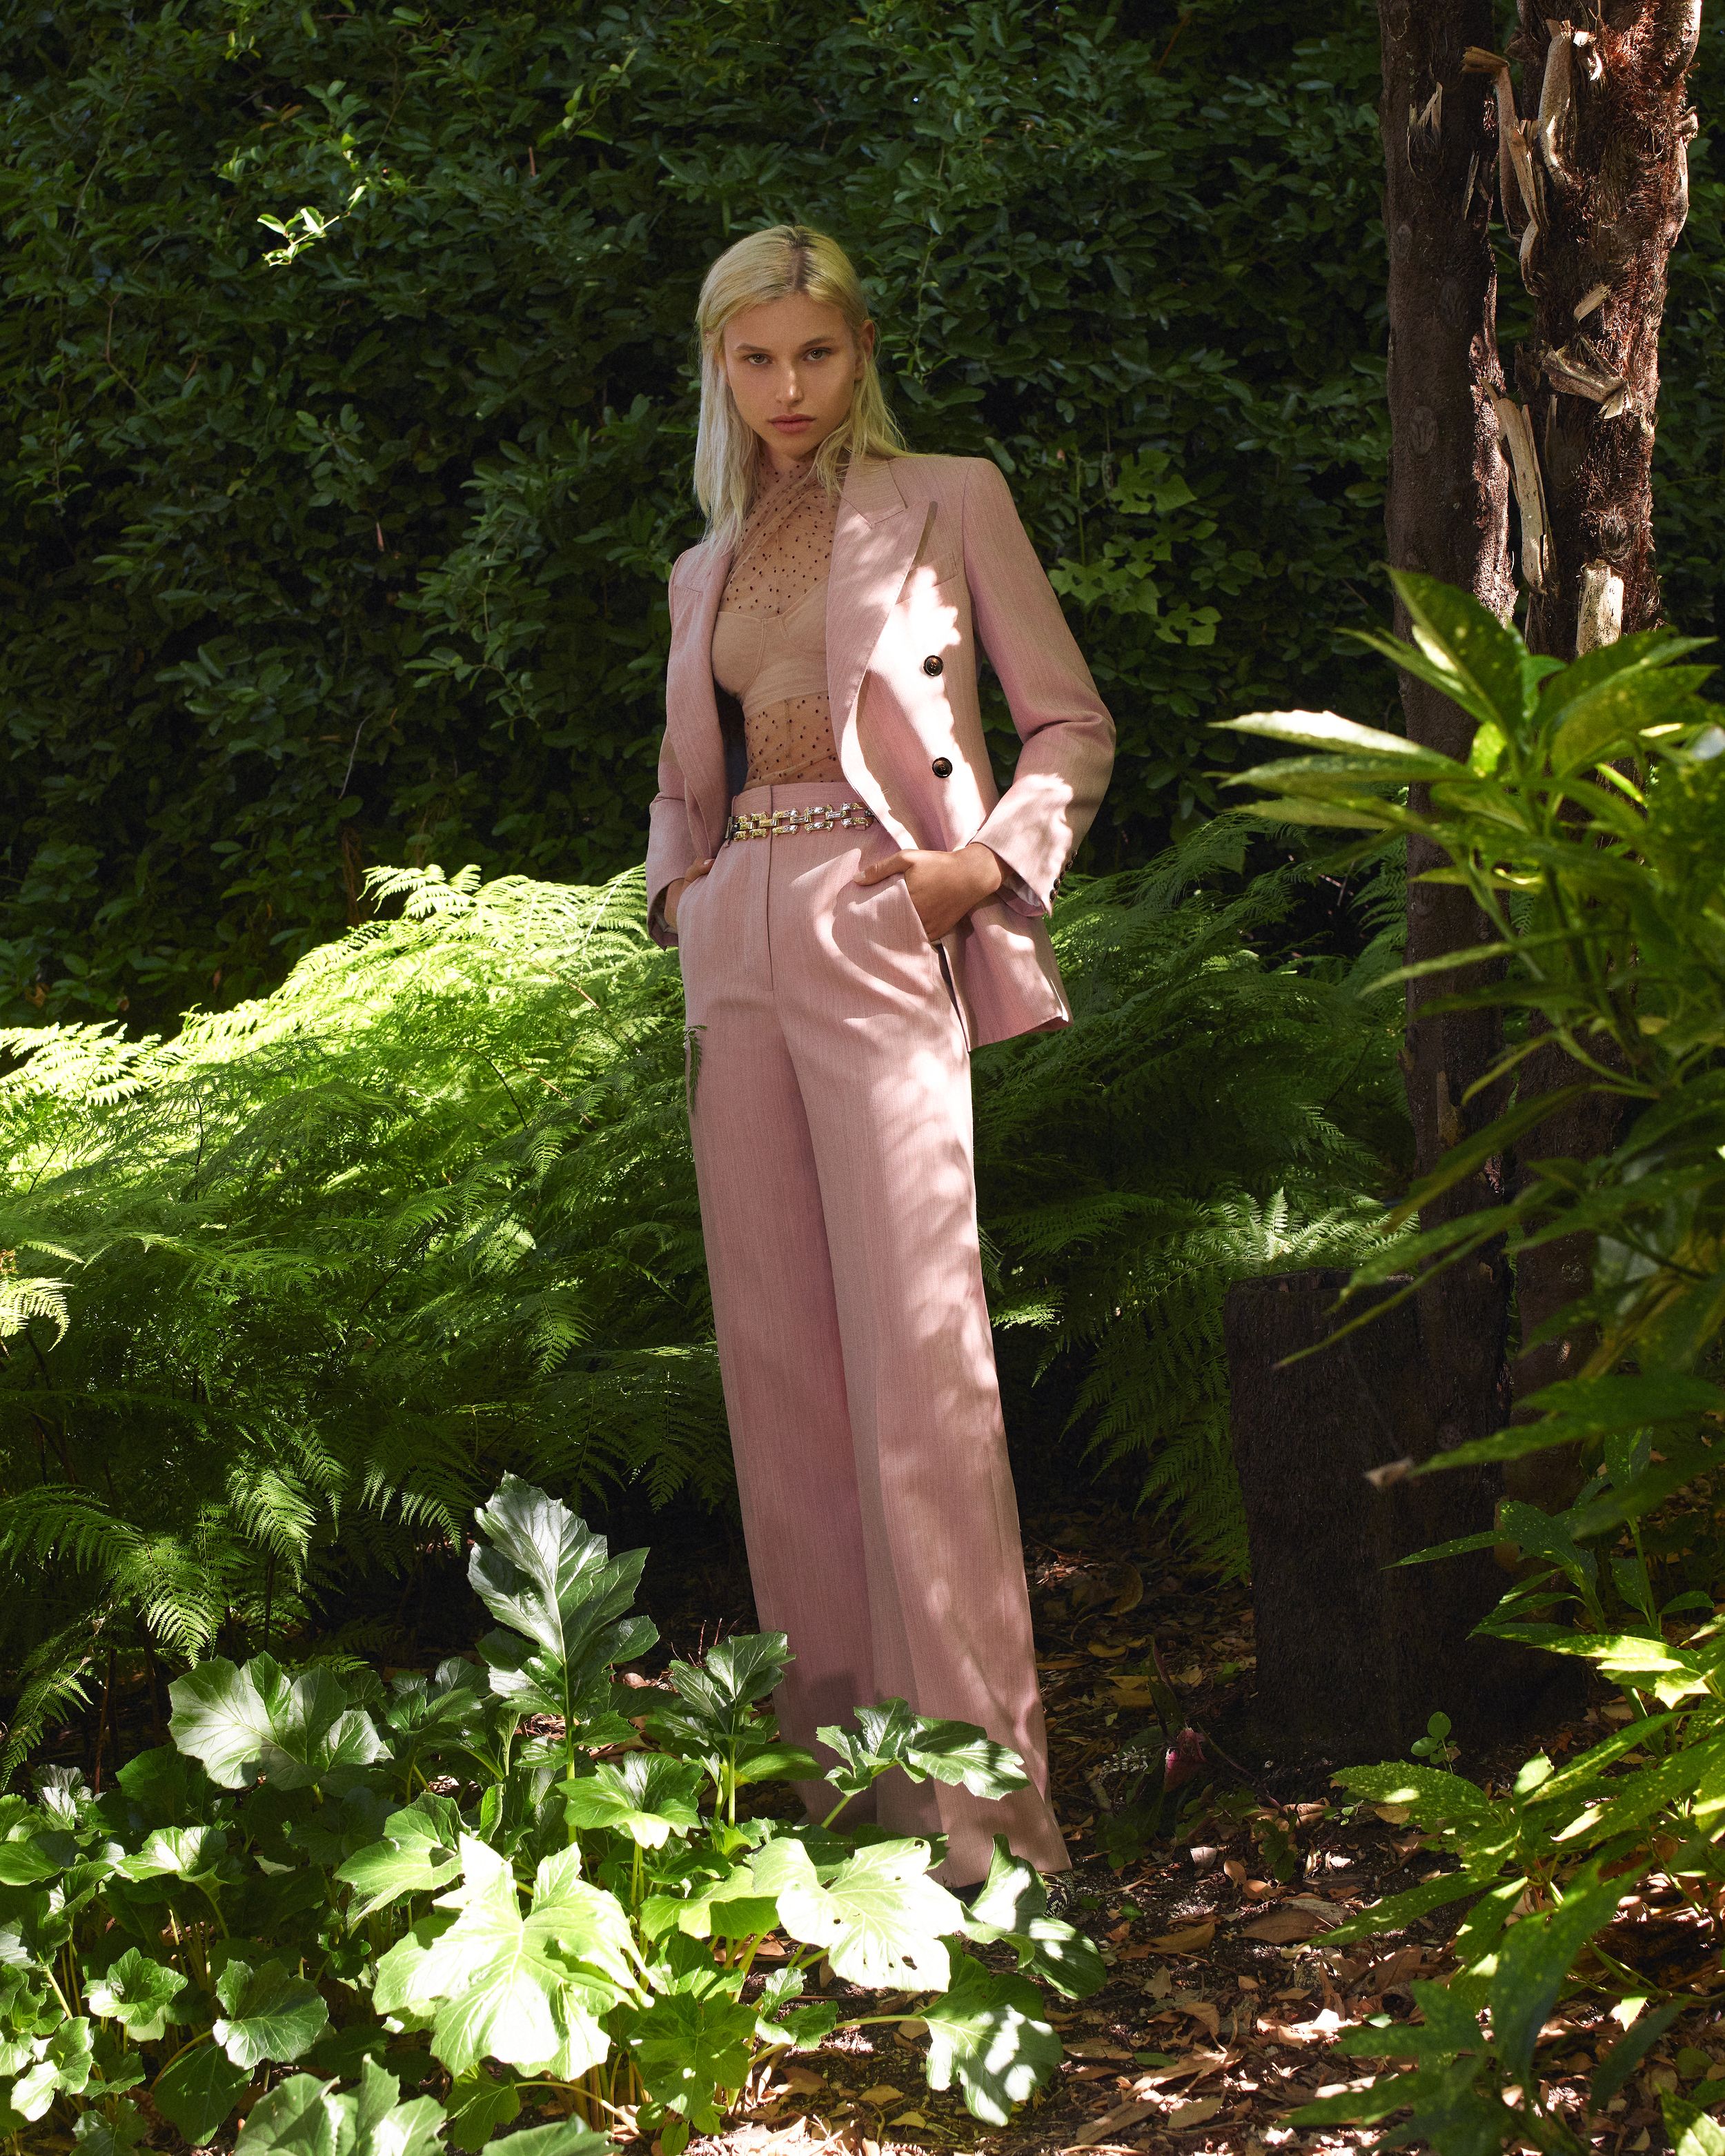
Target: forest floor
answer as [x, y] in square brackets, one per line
[1224, 2003]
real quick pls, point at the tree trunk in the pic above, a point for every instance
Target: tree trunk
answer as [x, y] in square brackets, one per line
[1447, 515]
[1354, 1654]
[1597, 198]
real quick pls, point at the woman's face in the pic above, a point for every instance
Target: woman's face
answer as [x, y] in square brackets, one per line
[793, 366]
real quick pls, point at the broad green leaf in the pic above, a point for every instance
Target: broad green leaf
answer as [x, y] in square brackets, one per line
[1626, 1403]
[1012, 1904]
[693, 2054]
[115, 2133]
[60, 2066]
[441, 1708]
[417, 1853]
[301, 2116]
[1535, 1957]
[197, 2090]
[395, 1986]
[643, 1795]
[1621, 2062]
[989, 2033]
[1692, 2131]
[305, 2116]
[1434, 1798]
[137, 1993]
[1325, 730]
[1367, 2107]
[890, 1735]
[1490, 673]
[880, 1920]
[546, 1575]
[563, 2137]
[268, 2014]
[178, 1852]
[1399, 1909]
[243, 1722]
[478, 2104]
[26, 1863]
[526, 1989]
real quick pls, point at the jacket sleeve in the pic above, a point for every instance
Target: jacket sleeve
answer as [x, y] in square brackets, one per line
[1067, 736]
[671, 849]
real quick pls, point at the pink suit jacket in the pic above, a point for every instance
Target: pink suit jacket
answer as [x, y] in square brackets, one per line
[928, 557]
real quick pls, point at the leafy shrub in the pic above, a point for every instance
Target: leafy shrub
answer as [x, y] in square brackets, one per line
[292, 1290]
[329, 1262]
[318, 1873]
[1586, 823]
[358, 553]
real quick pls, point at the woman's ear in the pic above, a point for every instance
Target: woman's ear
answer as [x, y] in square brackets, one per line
[866, 348]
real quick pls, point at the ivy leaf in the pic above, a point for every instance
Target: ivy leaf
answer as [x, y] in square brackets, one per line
[197, 2090]
[138, 1994]
[880, 1920]
[693, 2054]
[417, 1853]
[1012, 1904]
[526, 1989]
[989, 2033]
[890, 1735]
[644, 1795]
[548, 1577]
[271, 2014]
[243, 1723]
[715, 1718]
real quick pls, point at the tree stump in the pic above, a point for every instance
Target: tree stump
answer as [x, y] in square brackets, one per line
[1355, 1654]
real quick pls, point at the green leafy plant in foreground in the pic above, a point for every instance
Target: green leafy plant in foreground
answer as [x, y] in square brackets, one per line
[1588, 823]
[495, 1883]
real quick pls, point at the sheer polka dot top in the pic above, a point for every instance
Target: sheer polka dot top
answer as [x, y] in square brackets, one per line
[769, 640]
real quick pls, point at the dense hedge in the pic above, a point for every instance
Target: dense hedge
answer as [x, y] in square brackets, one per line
[356, 553]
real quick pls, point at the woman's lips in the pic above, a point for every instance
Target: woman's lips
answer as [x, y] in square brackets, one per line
[793, 426]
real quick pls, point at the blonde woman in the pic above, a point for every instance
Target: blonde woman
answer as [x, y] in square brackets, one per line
[856, 905]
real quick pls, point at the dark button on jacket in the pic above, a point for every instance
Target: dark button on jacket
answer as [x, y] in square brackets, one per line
[942, 766]
[933, 665]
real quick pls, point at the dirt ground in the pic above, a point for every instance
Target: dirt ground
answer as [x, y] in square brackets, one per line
[1224, 2003]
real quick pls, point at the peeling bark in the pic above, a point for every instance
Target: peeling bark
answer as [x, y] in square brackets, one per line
[1607, 94]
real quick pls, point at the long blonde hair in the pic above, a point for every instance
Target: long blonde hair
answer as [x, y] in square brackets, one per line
[778, 264]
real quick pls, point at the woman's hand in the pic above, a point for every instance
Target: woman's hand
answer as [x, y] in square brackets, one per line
[944, 888]
[674, 893]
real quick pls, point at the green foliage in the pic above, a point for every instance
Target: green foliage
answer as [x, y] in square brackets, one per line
[1210, 1114]
[1585, 822]
[291, 1290]
[523, 1917]
[336, 1259]
[346, 412]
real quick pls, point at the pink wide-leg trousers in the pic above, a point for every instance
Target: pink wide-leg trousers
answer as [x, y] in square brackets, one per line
[831, 1110]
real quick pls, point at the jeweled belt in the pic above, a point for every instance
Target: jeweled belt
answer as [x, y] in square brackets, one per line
[779, 823]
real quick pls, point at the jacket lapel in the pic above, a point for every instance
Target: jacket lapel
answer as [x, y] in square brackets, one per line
[691, 712]
[874, 543]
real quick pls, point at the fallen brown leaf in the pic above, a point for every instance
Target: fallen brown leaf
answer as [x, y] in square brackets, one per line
[801, 2081]
[1192, 2068]
[1193, 1939]
[1195, 2113]
[1093, 2047]
[1115, 2122]
[882, 2093]
[1303, 1916]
